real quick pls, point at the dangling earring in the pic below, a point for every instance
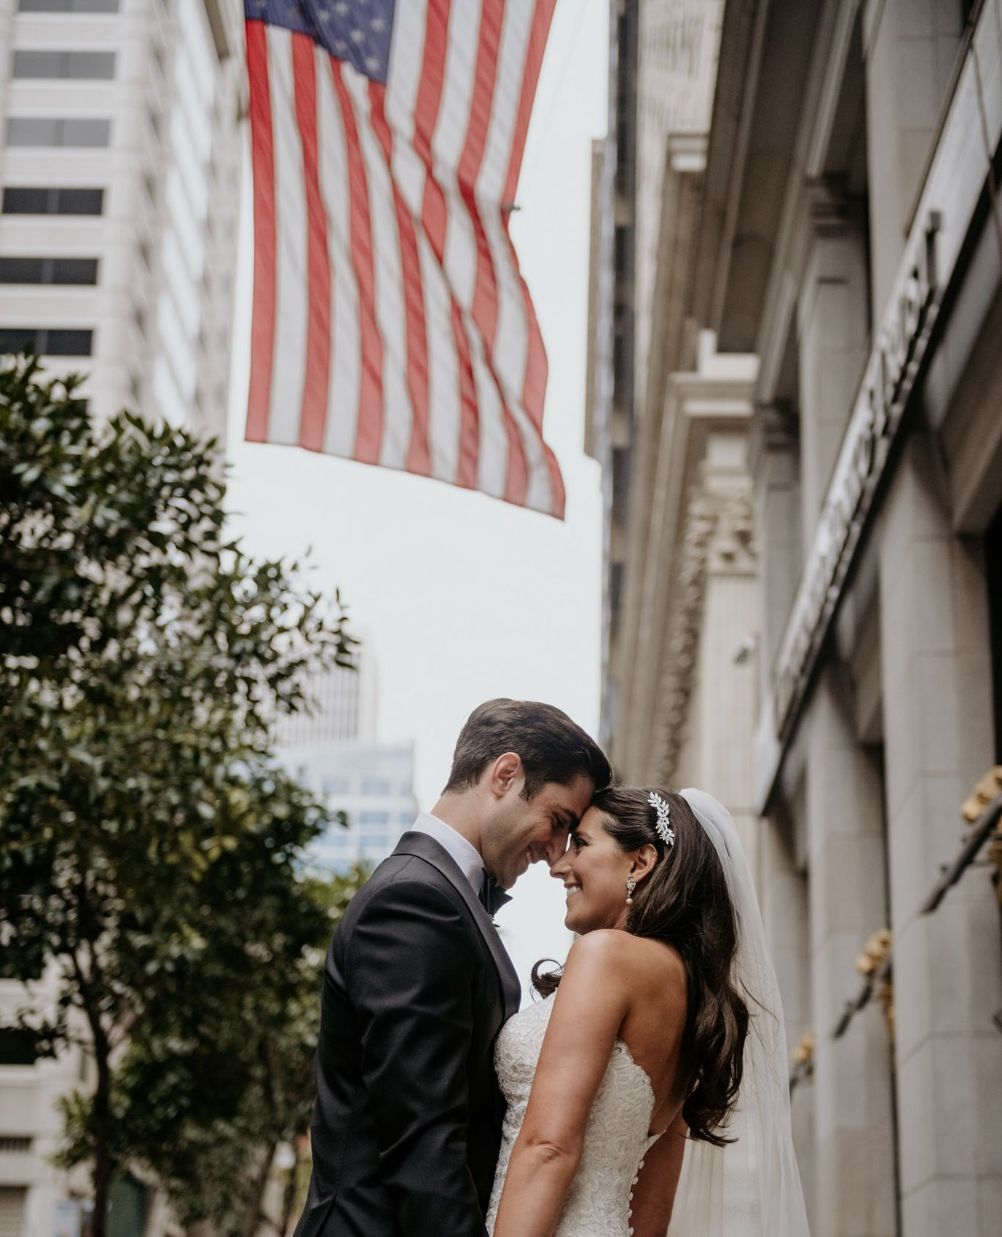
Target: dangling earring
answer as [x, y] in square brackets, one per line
[631, 884]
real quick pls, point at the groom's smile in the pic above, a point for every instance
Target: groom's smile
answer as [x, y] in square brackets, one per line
[534, 830]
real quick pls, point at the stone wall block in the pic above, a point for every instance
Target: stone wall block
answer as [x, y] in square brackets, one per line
[989, 1203]
[928, 580]
[943, 1209]
[917, 1133]
[967, 593]
[834, 980]
[987, 1067]
[935, 698]
[850, 891]
[913, 1011]
[925, 834]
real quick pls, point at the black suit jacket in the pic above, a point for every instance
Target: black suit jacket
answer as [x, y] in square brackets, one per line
[408, 1114]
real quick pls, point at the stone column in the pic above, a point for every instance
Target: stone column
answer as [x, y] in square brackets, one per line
[726, 683]
[854, 1139]
[910, 50]
[783, 897]
[773, 462]
[833, 328]
[936, 679]
[854, 1127]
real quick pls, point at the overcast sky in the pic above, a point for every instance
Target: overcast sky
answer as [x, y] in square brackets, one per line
[462, 597]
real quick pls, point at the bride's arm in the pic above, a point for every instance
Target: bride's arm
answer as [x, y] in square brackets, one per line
[654, 1193]
[588, 1011]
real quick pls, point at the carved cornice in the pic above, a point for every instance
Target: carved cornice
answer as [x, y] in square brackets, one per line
[718, 537]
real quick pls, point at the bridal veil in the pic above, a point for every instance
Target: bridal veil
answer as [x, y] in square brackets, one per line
[751, 1187]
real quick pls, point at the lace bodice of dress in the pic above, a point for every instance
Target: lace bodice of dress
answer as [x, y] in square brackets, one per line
[616, 1138]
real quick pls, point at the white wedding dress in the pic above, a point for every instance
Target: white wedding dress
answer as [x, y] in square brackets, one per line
[616, 1137]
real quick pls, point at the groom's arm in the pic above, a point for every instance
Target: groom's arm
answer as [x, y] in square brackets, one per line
[410, 971]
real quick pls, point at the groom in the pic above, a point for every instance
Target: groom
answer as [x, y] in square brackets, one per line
[407, 1121]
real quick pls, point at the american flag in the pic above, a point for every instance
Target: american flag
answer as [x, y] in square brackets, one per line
[391, 324]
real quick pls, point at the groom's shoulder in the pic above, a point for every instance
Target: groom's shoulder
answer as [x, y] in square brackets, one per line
[402, 877]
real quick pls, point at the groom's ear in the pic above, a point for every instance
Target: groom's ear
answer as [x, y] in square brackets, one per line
[504, 773]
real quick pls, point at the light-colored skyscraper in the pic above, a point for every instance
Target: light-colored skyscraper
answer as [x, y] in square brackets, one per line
[119, 188]
[333, 750]
[372, 783]
[342, 706]
[119, 177]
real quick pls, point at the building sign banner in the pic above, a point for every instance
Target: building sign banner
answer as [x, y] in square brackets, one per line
[947, 209]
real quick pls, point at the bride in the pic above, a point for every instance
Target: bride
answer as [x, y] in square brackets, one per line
[648, 1089]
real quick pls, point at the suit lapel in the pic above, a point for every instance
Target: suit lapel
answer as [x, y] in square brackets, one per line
[424, 847]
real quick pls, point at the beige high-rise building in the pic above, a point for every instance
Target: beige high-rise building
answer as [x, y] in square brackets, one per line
[120, 181]
[844, 268]
[119, 187]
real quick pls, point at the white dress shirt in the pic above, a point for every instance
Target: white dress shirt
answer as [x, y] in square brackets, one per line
[465, 854]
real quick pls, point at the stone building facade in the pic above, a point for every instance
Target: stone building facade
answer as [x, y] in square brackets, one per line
[846, 257]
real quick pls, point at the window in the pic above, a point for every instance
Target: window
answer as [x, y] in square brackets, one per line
[375, 786]
[17, 1046]
[43, 201]
[55, 131]
[373, 818]
[48, 270]
[376, 845]
[46, 341]
[79, 66]
[68, 6]
[13, 1199]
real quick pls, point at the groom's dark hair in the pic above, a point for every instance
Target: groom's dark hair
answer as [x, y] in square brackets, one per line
[552, 748]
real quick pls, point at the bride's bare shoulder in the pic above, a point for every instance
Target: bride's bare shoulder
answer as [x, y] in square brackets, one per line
[607, 952]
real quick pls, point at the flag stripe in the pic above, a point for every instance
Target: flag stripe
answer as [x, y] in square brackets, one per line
[469, 435]
[263, 165]
[453, 406]
[318, 272]
[418, 456]
[369, 432]
[454, 243]
[484, 293]
[534, 389]
[391, 319]
[505, 332]
[289, 361]
[444, 376]
[429, 100]
[542, 18]
[485, 290]
[346, 359]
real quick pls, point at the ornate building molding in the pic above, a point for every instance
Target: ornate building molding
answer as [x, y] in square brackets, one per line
[718, 539]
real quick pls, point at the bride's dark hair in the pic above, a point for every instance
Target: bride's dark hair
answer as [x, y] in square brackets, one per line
[684, 902]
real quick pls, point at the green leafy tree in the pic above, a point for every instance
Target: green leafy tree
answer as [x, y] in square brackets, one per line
[211, 1086]
[143, 656]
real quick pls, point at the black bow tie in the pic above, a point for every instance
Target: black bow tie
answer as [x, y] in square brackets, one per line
[492, 896]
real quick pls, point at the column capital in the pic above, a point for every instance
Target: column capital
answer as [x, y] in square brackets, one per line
[774, 431]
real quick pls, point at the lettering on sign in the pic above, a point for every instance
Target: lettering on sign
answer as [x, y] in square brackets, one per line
[883, 395]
